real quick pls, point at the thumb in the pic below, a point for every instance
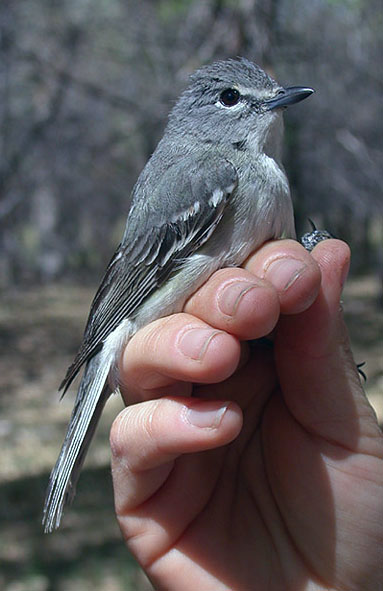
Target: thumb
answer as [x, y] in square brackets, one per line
[317, 371]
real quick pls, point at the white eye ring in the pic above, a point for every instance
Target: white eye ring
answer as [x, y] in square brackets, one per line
[236, 107]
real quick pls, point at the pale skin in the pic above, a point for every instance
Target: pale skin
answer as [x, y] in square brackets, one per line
[252, 468]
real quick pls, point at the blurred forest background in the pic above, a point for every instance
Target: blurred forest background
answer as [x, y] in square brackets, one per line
[85, 89]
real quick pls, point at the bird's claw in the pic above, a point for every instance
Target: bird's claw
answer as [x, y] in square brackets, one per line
[311, 239]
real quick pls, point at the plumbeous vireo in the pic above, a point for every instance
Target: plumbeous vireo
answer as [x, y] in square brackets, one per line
[212, 192]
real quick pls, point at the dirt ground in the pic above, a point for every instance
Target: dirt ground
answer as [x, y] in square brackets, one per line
[40, 330]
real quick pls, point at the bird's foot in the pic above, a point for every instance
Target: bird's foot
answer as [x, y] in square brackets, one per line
[311, 239]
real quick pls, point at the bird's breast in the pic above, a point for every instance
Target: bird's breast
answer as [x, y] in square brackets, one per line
[260, 210]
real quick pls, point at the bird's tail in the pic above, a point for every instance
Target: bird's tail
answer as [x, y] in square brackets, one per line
[91, 397]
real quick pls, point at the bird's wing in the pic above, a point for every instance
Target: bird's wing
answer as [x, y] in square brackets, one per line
[144, 261]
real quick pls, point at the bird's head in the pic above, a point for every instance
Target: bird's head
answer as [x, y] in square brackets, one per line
[232, 101]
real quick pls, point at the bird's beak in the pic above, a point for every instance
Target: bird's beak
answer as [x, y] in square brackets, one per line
[289, 96]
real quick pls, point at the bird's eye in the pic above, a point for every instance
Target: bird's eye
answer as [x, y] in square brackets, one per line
[229, 97]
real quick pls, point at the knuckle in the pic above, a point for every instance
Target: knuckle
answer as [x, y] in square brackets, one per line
[154, 336]
[135, 429]
[118, 433]
[147, 418]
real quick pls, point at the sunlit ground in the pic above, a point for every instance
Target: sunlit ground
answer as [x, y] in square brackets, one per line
[39, 332]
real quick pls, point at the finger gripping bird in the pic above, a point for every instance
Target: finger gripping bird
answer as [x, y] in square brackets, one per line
[212, 192]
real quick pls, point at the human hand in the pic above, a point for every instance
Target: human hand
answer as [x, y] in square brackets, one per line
[271, 475]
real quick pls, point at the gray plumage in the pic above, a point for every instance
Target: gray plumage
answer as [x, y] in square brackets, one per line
[213, 191]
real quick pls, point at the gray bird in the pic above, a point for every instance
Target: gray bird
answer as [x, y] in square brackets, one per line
[213, 191]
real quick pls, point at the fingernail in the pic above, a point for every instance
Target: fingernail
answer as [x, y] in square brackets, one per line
[231, 295]
[284, 272]
[206, 414]
[195, 341]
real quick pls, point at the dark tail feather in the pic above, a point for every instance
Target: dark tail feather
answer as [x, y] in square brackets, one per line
[90, 401]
